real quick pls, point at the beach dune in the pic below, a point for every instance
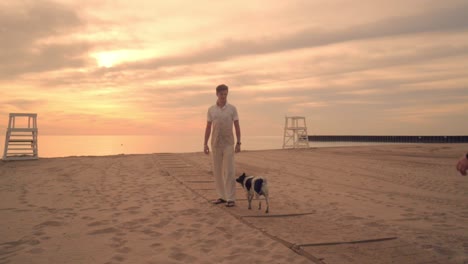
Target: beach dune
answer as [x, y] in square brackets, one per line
[373, 204]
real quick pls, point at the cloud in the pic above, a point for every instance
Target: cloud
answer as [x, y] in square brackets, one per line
[22, 104]
[30, 38]
[440, 20]
[275, 99]
[424, 114]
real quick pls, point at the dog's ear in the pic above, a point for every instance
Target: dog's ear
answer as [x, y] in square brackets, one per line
[243, 174]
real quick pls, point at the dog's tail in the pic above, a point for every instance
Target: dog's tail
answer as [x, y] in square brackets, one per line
[264, 187]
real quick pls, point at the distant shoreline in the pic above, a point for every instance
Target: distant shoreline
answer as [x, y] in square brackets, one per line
[395, 139]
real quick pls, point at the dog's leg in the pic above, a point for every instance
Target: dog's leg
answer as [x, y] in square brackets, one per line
[249, 197]
[259, 202]
[267, 204]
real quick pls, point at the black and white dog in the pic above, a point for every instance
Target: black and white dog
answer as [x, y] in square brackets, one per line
[254, 186]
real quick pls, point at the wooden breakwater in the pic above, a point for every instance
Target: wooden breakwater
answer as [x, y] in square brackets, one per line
[390, 139]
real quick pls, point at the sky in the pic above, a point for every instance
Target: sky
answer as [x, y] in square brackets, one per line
[118, 67]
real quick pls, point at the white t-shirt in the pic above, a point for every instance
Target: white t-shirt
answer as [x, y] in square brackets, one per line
[222, 120]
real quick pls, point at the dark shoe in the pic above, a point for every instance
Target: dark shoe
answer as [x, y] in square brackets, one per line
[218, 201]
[230, 204]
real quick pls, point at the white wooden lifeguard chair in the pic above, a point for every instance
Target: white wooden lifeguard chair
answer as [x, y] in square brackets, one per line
[21, 137]
[295, 132]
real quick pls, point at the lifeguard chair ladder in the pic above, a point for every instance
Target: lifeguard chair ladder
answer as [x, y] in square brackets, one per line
[21, 141]
[295, 132]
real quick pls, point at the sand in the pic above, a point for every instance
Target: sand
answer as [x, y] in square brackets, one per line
[375, 204]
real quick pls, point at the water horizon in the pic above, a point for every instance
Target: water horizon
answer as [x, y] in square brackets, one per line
[54, 146]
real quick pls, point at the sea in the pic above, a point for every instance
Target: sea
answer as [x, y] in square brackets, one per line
[50, 146]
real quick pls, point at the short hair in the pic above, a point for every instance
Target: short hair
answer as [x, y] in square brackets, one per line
[221, 87]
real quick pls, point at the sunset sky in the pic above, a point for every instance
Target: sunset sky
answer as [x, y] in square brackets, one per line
[368, 67]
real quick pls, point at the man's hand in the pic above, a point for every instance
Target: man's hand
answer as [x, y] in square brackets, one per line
[462, 165]
[237, 149]
[206, 150]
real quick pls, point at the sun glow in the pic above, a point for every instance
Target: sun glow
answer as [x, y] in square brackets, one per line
[108, 59]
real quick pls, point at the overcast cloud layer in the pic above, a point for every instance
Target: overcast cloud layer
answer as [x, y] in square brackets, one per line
[137, 67]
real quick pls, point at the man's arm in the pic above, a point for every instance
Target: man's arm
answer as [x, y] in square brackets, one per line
[238, 135]
[462, 165]
[206, 149]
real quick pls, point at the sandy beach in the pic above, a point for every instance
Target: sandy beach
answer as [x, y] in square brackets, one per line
[401, 203]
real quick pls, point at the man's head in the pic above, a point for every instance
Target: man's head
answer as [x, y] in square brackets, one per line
[222, 92]
[221, 87]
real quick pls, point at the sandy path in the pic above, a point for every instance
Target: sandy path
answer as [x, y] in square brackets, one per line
[407, 197]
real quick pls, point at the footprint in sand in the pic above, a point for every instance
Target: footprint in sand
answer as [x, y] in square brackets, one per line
[156, 245]
[36, 251]
[119, 245]
[162, 223]
[150, 232]
[118, 258]
[178, 254]
[99, 223]
[108, 230]
[48, 224]
[13, 246]
[123, 250]
[116, 214]
[39, 233]
[196, 226]
[134, 224]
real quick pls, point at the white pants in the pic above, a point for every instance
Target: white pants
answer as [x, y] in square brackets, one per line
[224, 172]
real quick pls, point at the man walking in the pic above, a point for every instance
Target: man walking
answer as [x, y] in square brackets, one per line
[221, 117]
